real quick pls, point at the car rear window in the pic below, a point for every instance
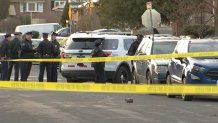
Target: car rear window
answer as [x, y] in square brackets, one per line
[164, 47]
[89, 43]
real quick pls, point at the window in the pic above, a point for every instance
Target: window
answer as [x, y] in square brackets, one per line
[164, 47]
[31, 7]
[57, 27]
[89, 44]
[127, 43]
[58, 3]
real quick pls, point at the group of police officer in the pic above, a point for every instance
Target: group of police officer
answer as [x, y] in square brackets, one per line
[20, 48]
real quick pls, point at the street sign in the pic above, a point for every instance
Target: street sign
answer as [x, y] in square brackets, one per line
[151, 23]
[149, 5]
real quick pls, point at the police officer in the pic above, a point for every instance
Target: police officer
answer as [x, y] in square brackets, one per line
[132, 50]
[27, 52]
[45, 50]
[15, 49]
[98, 66]
[5, 55]
[134, 45]
[55, 55]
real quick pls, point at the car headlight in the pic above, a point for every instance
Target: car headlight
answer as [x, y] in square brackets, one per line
[197, 68]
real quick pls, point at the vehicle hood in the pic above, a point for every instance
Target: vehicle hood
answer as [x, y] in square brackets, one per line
[162, 61]
[204, 62]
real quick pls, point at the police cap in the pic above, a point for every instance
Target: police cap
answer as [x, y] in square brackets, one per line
[18, 33]
[54, 34]
[7, 35]
[139, 36]
[98, 42]
[29, 33]
[45, 33]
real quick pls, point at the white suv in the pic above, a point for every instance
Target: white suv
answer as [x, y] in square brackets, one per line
[80, 45]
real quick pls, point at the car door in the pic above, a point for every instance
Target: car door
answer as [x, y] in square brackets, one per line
[179, 64]
[146, 63]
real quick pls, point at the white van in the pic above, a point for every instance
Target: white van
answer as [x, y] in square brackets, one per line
[41, 28]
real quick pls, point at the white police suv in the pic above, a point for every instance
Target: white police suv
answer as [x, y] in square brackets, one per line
[80, 45]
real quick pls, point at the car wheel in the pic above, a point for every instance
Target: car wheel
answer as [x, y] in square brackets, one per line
[148, 77]
[122, 75]
[184, 96]
[169, 83]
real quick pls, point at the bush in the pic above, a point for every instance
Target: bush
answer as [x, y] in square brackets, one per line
[199, 31]
[35, 34]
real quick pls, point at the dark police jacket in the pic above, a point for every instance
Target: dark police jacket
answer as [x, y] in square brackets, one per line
[27, 50]
[97, 52]
[15, 48]
[5, 49]
[45, 49]
[56, 48]
[133, 48]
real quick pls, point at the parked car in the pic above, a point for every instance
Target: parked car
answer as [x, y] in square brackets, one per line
[153, 70]
[41, 28]
[198, 70]
[80, 45]
[63, 33]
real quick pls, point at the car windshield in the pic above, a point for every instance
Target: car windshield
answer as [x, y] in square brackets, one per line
[164, 47]
[88, 43]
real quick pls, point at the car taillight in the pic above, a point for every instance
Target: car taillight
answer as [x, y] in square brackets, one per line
[71, 65]
[108, 53]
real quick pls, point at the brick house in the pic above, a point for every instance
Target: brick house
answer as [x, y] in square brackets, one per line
[39, 11]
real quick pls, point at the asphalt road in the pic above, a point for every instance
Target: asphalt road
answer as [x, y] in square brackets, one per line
[19, 106]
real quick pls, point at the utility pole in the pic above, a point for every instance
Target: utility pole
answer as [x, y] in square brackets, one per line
[70, 15]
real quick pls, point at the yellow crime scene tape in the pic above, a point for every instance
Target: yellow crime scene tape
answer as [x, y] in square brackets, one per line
[123, 58]
[117, 88]
[114, 88]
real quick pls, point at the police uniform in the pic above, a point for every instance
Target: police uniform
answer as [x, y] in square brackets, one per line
[45, 50]
[134, 46]
[15, 49]
[132, 50]
[56, 54]
[27, 52]
[98, 66]
[5, 54]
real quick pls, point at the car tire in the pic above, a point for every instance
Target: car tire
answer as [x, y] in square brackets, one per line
[184, 96]
[168, 81]
[148, 77]
[122, 75]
